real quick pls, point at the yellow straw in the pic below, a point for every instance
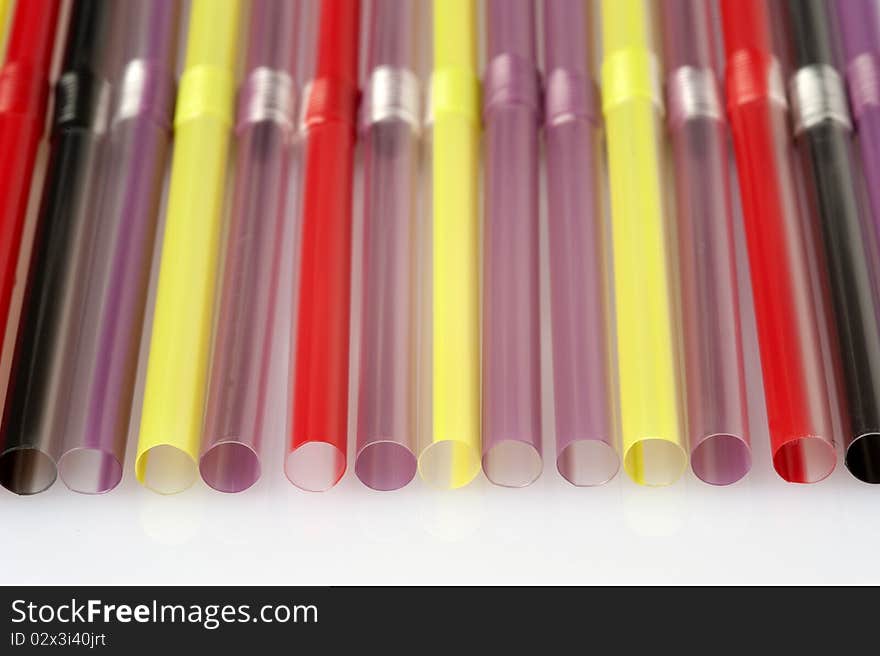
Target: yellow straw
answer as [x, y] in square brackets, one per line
[652, 439]
[5, 12]
[450, 456]
[171, 422]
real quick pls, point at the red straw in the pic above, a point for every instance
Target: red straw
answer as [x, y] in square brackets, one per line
[795, 386]
[317, 451]
[24, 91]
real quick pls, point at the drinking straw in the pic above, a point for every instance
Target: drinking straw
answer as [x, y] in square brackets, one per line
[5, 6]
[40, 379]
[860, 30]
[177, 370]
[653, 443]
[107, 341]
[585, 444]
[449, 451]
[823, 132]
[316, 453]
[795, 388]
[511, 313]
[386, 440]
[716, 394]
[24, 91]
[238, 388]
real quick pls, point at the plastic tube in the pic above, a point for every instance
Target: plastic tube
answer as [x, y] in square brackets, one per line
[24, 93]
[107, 342]
[511, 326]
[449, 450]
[653, 443]
[583, 401]
[823, 131]
[716, 395]
[316, 453]
[40, 381]
[5, 7]
[386, 428]
[238, 388]
[795, 388]
[177, 370]
[860, 28]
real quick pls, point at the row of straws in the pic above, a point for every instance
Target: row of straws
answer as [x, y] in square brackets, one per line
[648, 374]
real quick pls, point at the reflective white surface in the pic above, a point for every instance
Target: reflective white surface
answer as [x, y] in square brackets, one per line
[758, 531]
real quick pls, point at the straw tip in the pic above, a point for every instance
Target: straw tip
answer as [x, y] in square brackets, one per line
[27, 470]
[230, 466]
[449, 464]
[165, 469]
[512, 463]
[863, 457]
[385, 465]
[655, 461]
[721, 458]
[805, 459]
[90, 471]
[315, 466]
[588, 462]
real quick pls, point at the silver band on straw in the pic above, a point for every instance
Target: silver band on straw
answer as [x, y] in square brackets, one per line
[266, 96]
[392, 94]
[693, 93]
[818, 95]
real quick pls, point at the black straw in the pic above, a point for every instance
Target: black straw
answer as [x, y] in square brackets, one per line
[849, 245]
[36, 400]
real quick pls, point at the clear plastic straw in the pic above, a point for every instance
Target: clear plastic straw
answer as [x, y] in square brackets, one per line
[180, 343]
[237, 404]
[512, 454]
[586, 449]
[109, 337]
[716, 393]
[386, 438]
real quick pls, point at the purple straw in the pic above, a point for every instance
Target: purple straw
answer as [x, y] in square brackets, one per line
[860, 24]
[586, 453]
[386, 419]
[238, 394]
[511, 326]
[109, 338]
[716, 398]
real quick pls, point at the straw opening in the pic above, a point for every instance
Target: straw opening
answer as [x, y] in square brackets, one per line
[449, 464]
[587, 463]
[90, 471]
[863, 458]
[721, 459]
[512, 463]
[385, 465]
[315, 466]
[655, 462]
[230, 466]
[166, 469]
[27, 470]
[805, 460]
